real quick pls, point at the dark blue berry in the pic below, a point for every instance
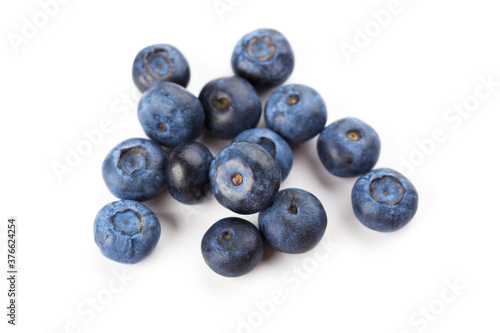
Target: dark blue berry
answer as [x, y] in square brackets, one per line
[232, 247]
[158, 64]
[187, 172]
[126, 231]
[348, 147]
[384, 200]
[294, 223]
[244, 177]
[135, 169]
[231, 106]
[295, 112]
[263, 57]
[169, 114]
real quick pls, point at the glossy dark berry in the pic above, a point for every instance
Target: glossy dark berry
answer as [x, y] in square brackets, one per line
[273, 143]
[169, 114]
[384, 200]
[158, 64]
[126, 231]
[187, 172]
[231, 106]
[232, 247]
[244, 177]
[348, 147]
[263, 57]
[135, 169]
[294, 223]
[296, 112]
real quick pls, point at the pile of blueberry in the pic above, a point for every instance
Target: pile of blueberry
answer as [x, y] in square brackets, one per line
[244, 177]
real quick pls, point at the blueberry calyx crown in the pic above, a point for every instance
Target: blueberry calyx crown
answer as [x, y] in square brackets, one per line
[261, 48]
[292, 99]
[354, 135]
[158, 63]
[236, 179]
[220, 101]
[133, 159]
[387, 190]
[128, 222]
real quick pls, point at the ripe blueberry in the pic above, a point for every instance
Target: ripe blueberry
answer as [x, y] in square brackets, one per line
[348, 147]
[294, 223]
[135, 169]
[295, 112]
[187, 172]
[126, 231]
[232, 247]
[244, 178]
[263, 57]
[231, 106]
[384, 200]
[169, 114]
[158, 64]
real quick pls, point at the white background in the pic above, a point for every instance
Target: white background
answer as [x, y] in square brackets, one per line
[75, 72]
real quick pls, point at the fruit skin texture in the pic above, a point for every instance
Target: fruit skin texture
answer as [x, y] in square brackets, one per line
[295, 223]
[231, 106]
[135, 169]
[169, 114]
[348, 148]
[257, 173]
[160, 63]
[232, 247]
[384, 200]
[187, 172]
[296, 112]
[126, 231]
[273, 143]
[263, 57]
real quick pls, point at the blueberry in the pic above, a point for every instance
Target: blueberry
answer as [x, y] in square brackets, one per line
[169, 114]
[126, 231]
[231, 106]
[295, 112]
[263, 57]
[273, 143]
[160, 63]
[295, 223]
[135, 169]
[232, 247]
[244, 178]
[384, 200]
[348, 147]
[187, 172]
